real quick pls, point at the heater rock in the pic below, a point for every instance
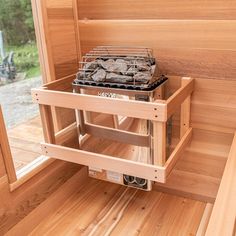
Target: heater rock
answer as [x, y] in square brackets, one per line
[142, 66]
[108, 65]
[111, 65]
[99, 75]
[91, 65]
[131, 71]
[121, 66]
[104, 66]
[117, 78]
[84, 75]
[142, 76]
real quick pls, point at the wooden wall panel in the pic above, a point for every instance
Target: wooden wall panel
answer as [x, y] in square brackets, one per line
[214, 105]
[197, 63]
[156, 34]
[62, 47]
[62, 37]
[157, 9]
[197, 48]
[60, 4]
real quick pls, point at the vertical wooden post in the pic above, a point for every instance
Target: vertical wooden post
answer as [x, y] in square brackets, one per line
[47, 123]
[159, 143]
[159, 134]
[6, 151]
[115, 121]
[80, 121]
[185, 111]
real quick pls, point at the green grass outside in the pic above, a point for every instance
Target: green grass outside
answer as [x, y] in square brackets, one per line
[26, 59]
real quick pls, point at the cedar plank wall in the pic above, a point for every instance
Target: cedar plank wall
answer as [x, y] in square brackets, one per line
[190, 38]
[62, 37]
[62, 48]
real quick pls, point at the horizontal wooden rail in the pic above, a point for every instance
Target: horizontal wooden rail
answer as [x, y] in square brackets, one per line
[60, 84]
[137, 109]
[66, 134]
[223, 217]
[174, 102]
[142, 170]
[128, 167]
[118, 135]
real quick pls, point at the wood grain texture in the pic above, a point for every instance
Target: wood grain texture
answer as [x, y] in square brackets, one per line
[175, 101]
[43, 44]
[62, 36]
[2, 165]
[185, 48]
[197, 63]
[6, 151]
[213, 105]
[222, 220]
[54, 201]
[198, 172]
[19, 203]
[57, 42]
[25, 141]
[185, 111]
[151, 110]
[105, 209]
[205, 220]
[47, 123]
[202, 34]
[157, 9]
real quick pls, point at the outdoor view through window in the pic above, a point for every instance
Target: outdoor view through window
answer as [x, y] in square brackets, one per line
[19, 72]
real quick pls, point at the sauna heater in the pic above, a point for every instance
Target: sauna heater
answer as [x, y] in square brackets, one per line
[125, 73]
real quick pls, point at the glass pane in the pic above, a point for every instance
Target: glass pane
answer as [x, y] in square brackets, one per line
[19, 72]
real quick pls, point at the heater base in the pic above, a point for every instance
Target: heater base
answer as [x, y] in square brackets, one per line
[118, 178]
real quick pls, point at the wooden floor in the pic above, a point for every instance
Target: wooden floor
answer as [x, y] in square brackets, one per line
[102, 208]
[25, 142]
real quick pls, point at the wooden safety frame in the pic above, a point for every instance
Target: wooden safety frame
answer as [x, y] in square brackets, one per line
[157, 111]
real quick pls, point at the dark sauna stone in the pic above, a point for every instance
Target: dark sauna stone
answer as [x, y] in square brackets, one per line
[122, 65]
[111, 65]
[117, 78]
[99, 75]
[131, 71]
[108, 65]
[142, 76]
[91, 65]
[142, 66]
[84, 75]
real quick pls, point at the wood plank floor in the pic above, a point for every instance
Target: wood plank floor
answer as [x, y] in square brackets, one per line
[102, 208]
[25, 142]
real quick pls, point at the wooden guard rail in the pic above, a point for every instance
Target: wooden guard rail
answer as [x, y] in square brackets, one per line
[157, 111]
